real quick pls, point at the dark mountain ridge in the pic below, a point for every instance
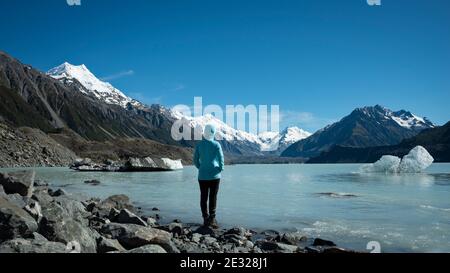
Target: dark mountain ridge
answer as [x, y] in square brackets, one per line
[364, 127]
[435, 140]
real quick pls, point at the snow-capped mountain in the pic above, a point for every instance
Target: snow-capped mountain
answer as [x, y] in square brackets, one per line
[92, 85]
[280, 141]
[237, 141]
[364, 127]
[246, 142]
[403, 118]
[409, 120]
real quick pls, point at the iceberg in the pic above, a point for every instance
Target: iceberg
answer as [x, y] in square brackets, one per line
[416, 161]
[172, 164]
[387, 164]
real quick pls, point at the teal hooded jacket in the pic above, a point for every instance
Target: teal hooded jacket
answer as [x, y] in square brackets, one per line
[209, 160]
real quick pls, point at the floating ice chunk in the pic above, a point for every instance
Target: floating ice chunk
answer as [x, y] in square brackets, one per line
[172, 164]
[387, 164]
[416, 161]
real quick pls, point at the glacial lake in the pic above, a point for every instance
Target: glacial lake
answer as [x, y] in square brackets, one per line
[404, 213]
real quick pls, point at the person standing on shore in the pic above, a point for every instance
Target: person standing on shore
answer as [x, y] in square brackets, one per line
[209, 160]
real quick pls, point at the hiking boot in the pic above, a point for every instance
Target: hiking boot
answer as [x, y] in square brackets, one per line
[205, 221]
[213, 223]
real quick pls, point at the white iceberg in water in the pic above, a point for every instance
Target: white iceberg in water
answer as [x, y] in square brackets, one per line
[172, 164]
[387, 164]
[416, 161]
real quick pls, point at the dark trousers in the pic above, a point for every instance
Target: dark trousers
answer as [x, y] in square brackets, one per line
[209, 189]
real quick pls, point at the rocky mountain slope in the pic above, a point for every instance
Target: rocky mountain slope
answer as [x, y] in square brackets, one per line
[364, 127]
[38, 100]
[28, 147]
[435, 140]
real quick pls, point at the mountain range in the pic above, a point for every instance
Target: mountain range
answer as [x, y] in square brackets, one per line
[234, 141]
[70, 96]
[79, 110]
[364, 127]
[436, 140]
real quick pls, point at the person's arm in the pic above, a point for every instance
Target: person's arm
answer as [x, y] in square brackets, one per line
[221, 159]
[197, 157]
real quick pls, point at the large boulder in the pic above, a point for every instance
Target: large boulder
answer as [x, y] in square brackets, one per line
[293, 238]
[127, 217]
[17, 199]
[65, 221]
[117, 202]
[14, 221]
[148, 249]
[20, 245]
[105, 245]
[133, 236]
[18, 182]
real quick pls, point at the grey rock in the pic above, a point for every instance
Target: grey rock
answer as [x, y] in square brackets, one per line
[24, 246]
[293, 238]
[285, 248]
[38, 237]
[312, 249]
[133, 236]
[43, 197]
[16, 199]
[117, 202]
[321, 242]
[272, 246]
[196, 237]
[234, 239]
[267, 245]
[35, 210]
[148, 249]
[105, 245]
[18, 182]
[206, 231]
[127, 217]
[70, 231]
[14, 221]
[64, 221]
[176, 228]
[93, 182]
[59, 192]
[151, 222]
[75, 209]
[208, 240]
[238, 231]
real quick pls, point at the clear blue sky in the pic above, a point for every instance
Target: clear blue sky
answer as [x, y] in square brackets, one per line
[317, 59]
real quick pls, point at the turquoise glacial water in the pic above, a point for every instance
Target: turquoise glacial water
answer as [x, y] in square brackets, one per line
[404, 213]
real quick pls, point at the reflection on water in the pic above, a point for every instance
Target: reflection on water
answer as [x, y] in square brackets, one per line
[403, 212]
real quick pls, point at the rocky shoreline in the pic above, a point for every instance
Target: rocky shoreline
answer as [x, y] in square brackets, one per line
[35, 218]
